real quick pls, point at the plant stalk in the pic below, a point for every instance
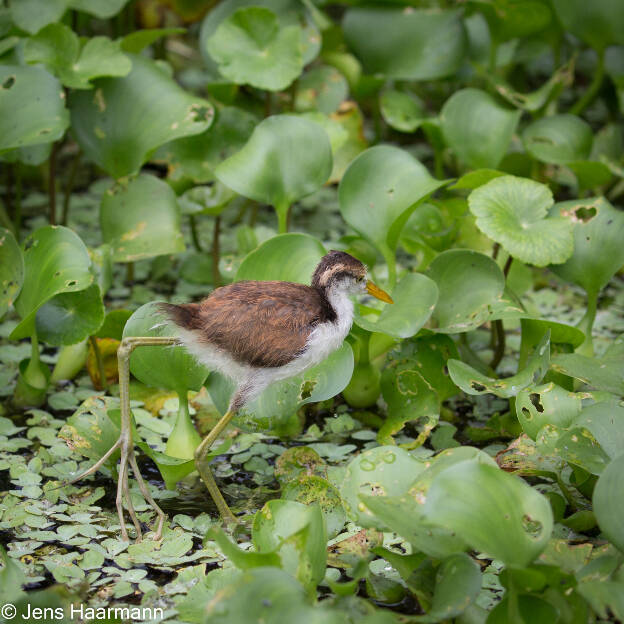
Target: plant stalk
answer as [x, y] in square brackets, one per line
[216, 252]
[52, 184]
[17, 211]
[195, 233]
[69, 187]
[592, 91]
[282, 219]
[33, 374]
[586, 324]
[99, 361]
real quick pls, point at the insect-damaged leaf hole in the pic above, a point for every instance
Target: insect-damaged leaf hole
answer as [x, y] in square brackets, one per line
[9, 82]
[535, 399]
[532, 527]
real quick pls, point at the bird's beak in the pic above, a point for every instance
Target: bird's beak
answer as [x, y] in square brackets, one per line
[374, 290]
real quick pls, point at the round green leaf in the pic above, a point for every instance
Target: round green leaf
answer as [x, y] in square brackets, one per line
[138, 40]
[407, 44]
[477, 128]
[251, 48]
[196, 157]
[71, 317]
[173, 368]
[55, 261]
[558, 139]
[513, 212]
[550, 404]
[140, 219]
[32, 15]
[414, 297]
[32, 107]
[287, 257]
[402, 111]
[289, 13]
[472, 381]
[469, 283]
[493, 511]
[599, 23]
[608, 501]
[100, 8]
[605, 422]
[598, 230]
[379, 191]
[210, 200]
[380, 471]
[120, 123]
[11, 270]
[273, 168]
[322, 89]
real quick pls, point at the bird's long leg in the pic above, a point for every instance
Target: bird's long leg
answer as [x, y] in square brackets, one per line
[204, 470]
[124, 442]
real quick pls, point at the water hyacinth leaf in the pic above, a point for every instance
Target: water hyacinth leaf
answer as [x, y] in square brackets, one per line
[55, 261]
[32, 15]
[100, 8]
[286, 257]
[414, 298]
[493, 511]
[513, 212]
[606, 424]
[284, 525]
[11, 270]
[600, 24]
[402, 111]
[308, 489]
[590, 174]
[273, 169]
[32, 108]
[323, 89]
[521, 18]
[598, 230]
[475, 179]
[289, 13]
[424, 44]
[579, 447]
[458, 583]
[473, 382]
[608, 501]
[468, 282]
[90, 430]
[211, 199]
[558, 139]
[69, 318]
[251, 48]
[196, 157]
[125, 119]
[381, 471]
[477, 128]
[351, 120]
[549, 404]
[140, 219]
[59, 49]
[138, 40]
[170, 367]
[602, 374]
[379, 191]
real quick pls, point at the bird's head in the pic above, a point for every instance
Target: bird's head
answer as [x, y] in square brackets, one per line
[338, 270]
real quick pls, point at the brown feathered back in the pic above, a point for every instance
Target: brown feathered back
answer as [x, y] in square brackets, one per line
[258, 323]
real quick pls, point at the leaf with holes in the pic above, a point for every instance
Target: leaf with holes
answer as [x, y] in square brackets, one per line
[140, 219]
[468, 284]
[494, 512]
[55, 261]
[251, 48]
[477, 128]
[121, 122]
[472, 381]
[32, 108]
[598, 230]
[11, 270]
[513, 212]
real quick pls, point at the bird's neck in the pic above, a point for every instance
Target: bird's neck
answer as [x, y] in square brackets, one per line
[341, 305]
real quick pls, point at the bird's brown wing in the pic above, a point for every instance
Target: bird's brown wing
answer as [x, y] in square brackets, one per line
[261, 323]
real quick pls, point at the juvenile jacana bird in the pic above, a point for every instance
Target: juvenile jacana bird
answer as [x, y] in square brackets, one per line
[256, 333]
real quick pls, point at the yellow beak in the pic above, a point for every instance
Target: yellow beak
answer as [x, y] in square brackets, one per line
[378, 292]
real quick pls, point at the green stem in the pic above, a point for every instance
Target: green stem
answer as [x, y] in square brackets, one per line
[194, 233]
[33, 374]
[130, 273]
[69, 187]
[364, 356]
[587, 323]
[99, 361]
[282, 219]
[184, 439]
[52, 185]
[592, 91]
[216, 252]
